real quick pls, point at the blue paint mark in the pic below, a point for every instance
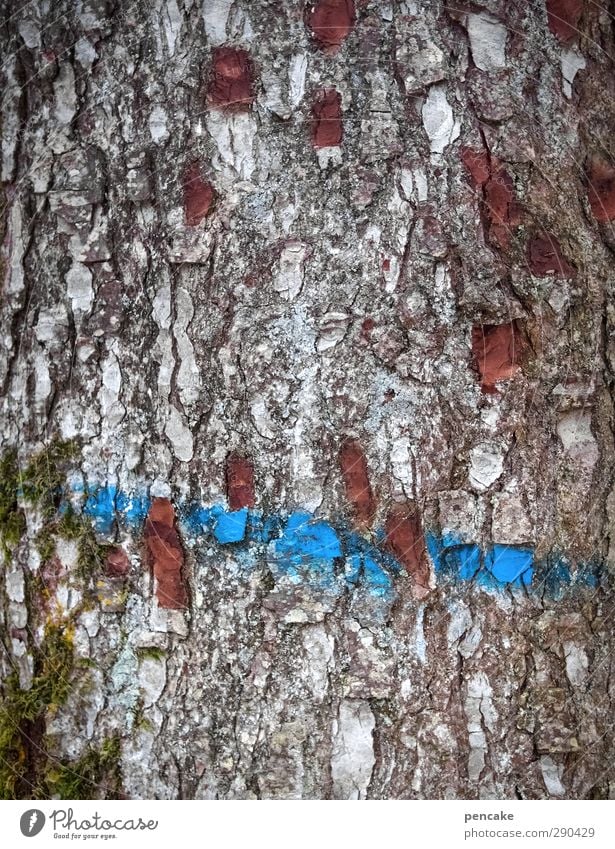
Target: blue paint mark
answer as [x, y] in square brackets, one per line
[510, 564]
[458, 560]
[133, 508]
[100, 507]
[434, 546]
[354, 564]
[264, 529]
[390, 562]
[305, 549]
[380, 537]
[588, 575]
[254, 530]
[231, 526]
[486, 581]
[365, 566]
[272, 528]
[554, 575]
[376, 580]
[470, 558]
[451, 540]
[464, 561]
[196, 519]
[310, 538]
[452, 557]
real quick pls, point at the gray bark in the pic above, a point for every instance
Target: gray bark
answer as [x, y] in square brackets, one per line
[328, 293]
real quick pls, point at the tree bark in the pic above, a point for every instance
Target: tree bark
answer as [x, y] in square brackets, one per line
[307, 399]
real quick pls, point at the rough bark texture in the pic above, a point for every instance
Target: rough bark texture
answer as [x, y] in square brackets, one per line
[307, 358]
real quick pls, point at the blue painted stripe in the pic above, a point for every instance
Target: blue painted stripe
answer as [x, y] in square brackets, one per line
[231, 526]
[100, 506]
[300, 547]
[510, 564]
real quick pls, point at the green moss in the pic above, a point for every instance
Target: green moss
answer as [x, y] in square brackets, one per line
[70, 525]
[16, 709]
[98, 770]
[25, 769]
[139, 721]
[87, 663]
[151, 652]
[42, 479]
[39, 483]
[45, 542]
[91, 554]
[56, 661]
[12, 520]
[53, 664]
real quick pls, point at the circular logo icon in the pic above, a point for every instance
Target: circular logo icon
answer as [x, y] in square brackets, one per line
[32, 822]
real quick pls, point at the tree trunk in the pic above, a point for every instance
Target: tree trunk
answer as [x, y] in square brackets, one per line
[307, 399]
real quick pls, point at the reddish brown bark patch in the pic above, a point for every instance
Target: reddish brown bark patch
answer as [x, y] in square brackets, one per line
[404, 538]
[359, 493]
[563, 17]
[331, 21]
[239, 482]
[165, 554]
[198, 196]
[117, 564]
[327, 128]
[499, 207]
[367, 326]
[477, 164]
[497, 350]
[601, 189]
[545, 257]
[52, 573]
[232, 79]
